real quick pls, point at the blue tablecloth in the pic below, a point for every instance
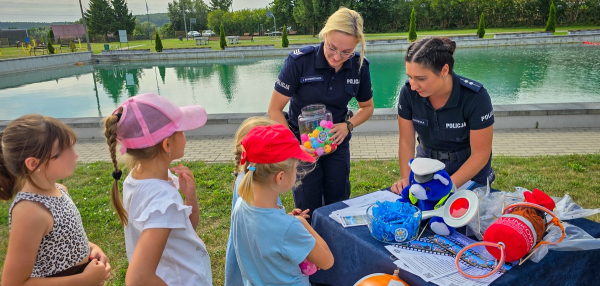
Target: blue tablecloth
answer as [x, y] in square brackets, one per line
[358, 254]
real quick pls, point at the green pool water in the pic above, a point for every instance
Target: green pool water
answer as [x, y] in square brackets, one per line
[512, 75]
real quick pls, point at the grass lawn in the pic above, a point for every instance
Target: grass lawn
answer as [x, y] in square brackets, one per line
[295, 39]
[89, 186]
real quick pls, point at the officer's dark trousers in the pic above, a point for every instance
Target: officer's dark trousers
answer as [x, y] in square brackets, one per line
[328, 183]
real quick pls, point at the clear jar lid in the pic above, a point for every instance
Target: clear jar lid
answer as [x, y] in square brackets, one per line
[313, 109]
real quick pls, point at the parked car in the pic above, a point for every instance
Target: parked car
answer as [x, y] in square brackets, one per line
[208, 33]
[193, 34]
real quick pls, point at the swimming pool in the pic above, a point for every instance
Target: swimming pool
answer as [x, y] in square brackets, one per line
[512, 75]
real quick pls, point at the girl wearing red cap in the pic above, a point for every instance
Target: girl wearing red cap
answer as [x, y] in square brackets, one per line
[233, 276]
[270, 244]
[162, 245]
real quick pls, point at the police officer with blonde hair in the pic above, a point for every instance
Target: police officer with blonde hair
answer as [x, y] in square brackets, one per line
[332, 74]
[451, 114]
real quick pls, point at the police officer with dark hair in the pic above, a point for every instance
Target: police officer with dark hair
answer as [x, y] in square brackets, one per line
[331, 74]
[452, 115]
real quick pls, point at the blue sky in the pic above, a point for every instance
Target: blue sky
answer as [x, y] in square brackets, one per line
[68, 10]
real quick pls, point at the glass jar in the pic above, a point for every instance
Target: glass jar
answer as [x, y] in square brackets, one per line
[393, 222]
[314, 124]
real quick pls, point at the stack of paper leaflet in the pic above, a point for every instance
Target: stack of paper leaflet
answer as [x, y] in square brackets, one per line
[356, 212]
[433, 259]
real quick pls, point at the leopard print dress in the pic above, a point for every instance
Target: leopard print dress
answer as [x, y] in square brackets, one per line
[66, 244]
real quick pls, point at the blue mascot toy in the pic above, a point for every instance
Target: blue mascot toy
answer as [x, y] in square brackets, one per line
[429, 187]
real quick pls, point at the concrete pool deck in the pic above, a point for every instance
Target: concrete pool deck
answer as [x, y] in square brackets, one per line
[384, 145]
[562, 128]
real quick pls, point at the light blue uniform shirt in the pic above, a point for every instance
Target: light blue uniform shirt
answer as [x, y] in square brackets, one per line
[269, 245]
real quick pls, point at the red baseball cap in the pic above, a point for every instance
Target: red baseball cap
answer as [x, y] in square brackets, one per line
[272, 144]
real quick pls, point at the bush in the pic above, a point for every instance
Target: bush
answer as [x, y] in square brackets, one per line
[50, 35]
[412, 30]
[481, 28]
[158, 43]
[72, 47]
[50, 47]
[222, 41]
[284, 40]
[551, 25]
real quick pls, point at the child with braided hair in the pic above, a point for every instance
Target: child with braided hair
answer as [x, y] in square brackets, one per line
[270, 244]
[162, 245]
[47, 243]
[233, 276]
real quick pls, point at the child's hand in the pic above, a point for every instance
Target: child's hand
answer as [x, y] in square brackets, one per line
[97, 253]
[96, 272]
[299, 212]
[187, 184]
[107, 269]
[308, 151]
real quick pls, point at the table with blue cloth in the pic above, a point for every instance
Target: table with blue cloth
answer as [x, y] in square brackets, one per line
[358, 254]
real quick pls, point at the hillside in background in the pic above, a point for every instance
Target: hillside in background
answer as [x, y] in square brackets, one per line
[27, 25]
[157, 18]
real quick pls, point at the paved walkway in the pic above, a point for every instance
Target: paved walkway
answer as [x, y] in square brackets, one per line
[384, 145]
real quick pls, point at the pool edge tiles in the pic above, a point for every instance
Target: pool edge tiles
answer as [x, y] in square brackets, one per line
[515, 116]
[379, 47]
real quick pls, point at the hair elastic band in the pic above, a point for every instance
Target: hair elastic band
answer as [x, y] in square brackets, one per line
[117, 175]
[252, 168]
[118, 116]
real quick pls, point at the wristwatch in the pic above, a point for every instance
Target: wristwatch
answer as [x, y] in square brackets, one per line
[350, 125]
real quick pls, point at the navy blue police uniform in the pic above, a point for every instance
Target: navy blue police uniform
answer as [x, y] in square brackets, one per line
[307, 78]
[443, 134]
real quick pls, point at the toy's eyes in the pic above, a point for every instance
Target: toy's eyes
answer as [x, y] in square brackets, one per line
[427, 189]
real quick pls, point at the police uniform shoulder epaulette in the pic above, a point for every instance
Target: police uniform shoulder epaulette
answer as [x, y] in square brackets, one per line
[357, 55]
[302, 51]
[470, 84]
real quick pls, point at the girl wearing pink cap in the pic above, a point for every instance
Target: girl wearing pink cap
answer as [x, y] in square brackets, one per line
[160, 228]
[270, 244]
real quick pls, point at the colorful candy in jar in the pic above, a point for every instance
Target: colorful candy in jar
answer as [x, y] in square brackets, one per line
[307, 144]
[318, 141]
[304, 137]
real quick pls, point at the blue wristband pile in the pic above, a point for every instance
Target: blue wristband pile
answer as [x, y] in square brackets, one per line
[394, 222]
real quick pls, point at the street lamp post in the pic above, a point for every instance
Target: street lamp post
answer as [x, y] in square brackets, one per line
[184, 22]
[270, 15]
[87, 37]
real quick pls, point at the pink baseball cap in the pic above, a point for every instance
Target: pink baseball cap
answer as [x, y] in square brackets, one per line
[148, 118]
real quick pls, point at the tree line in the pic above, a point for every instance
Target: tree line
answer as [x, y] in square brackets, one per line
[103, 17]
[308, 16]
